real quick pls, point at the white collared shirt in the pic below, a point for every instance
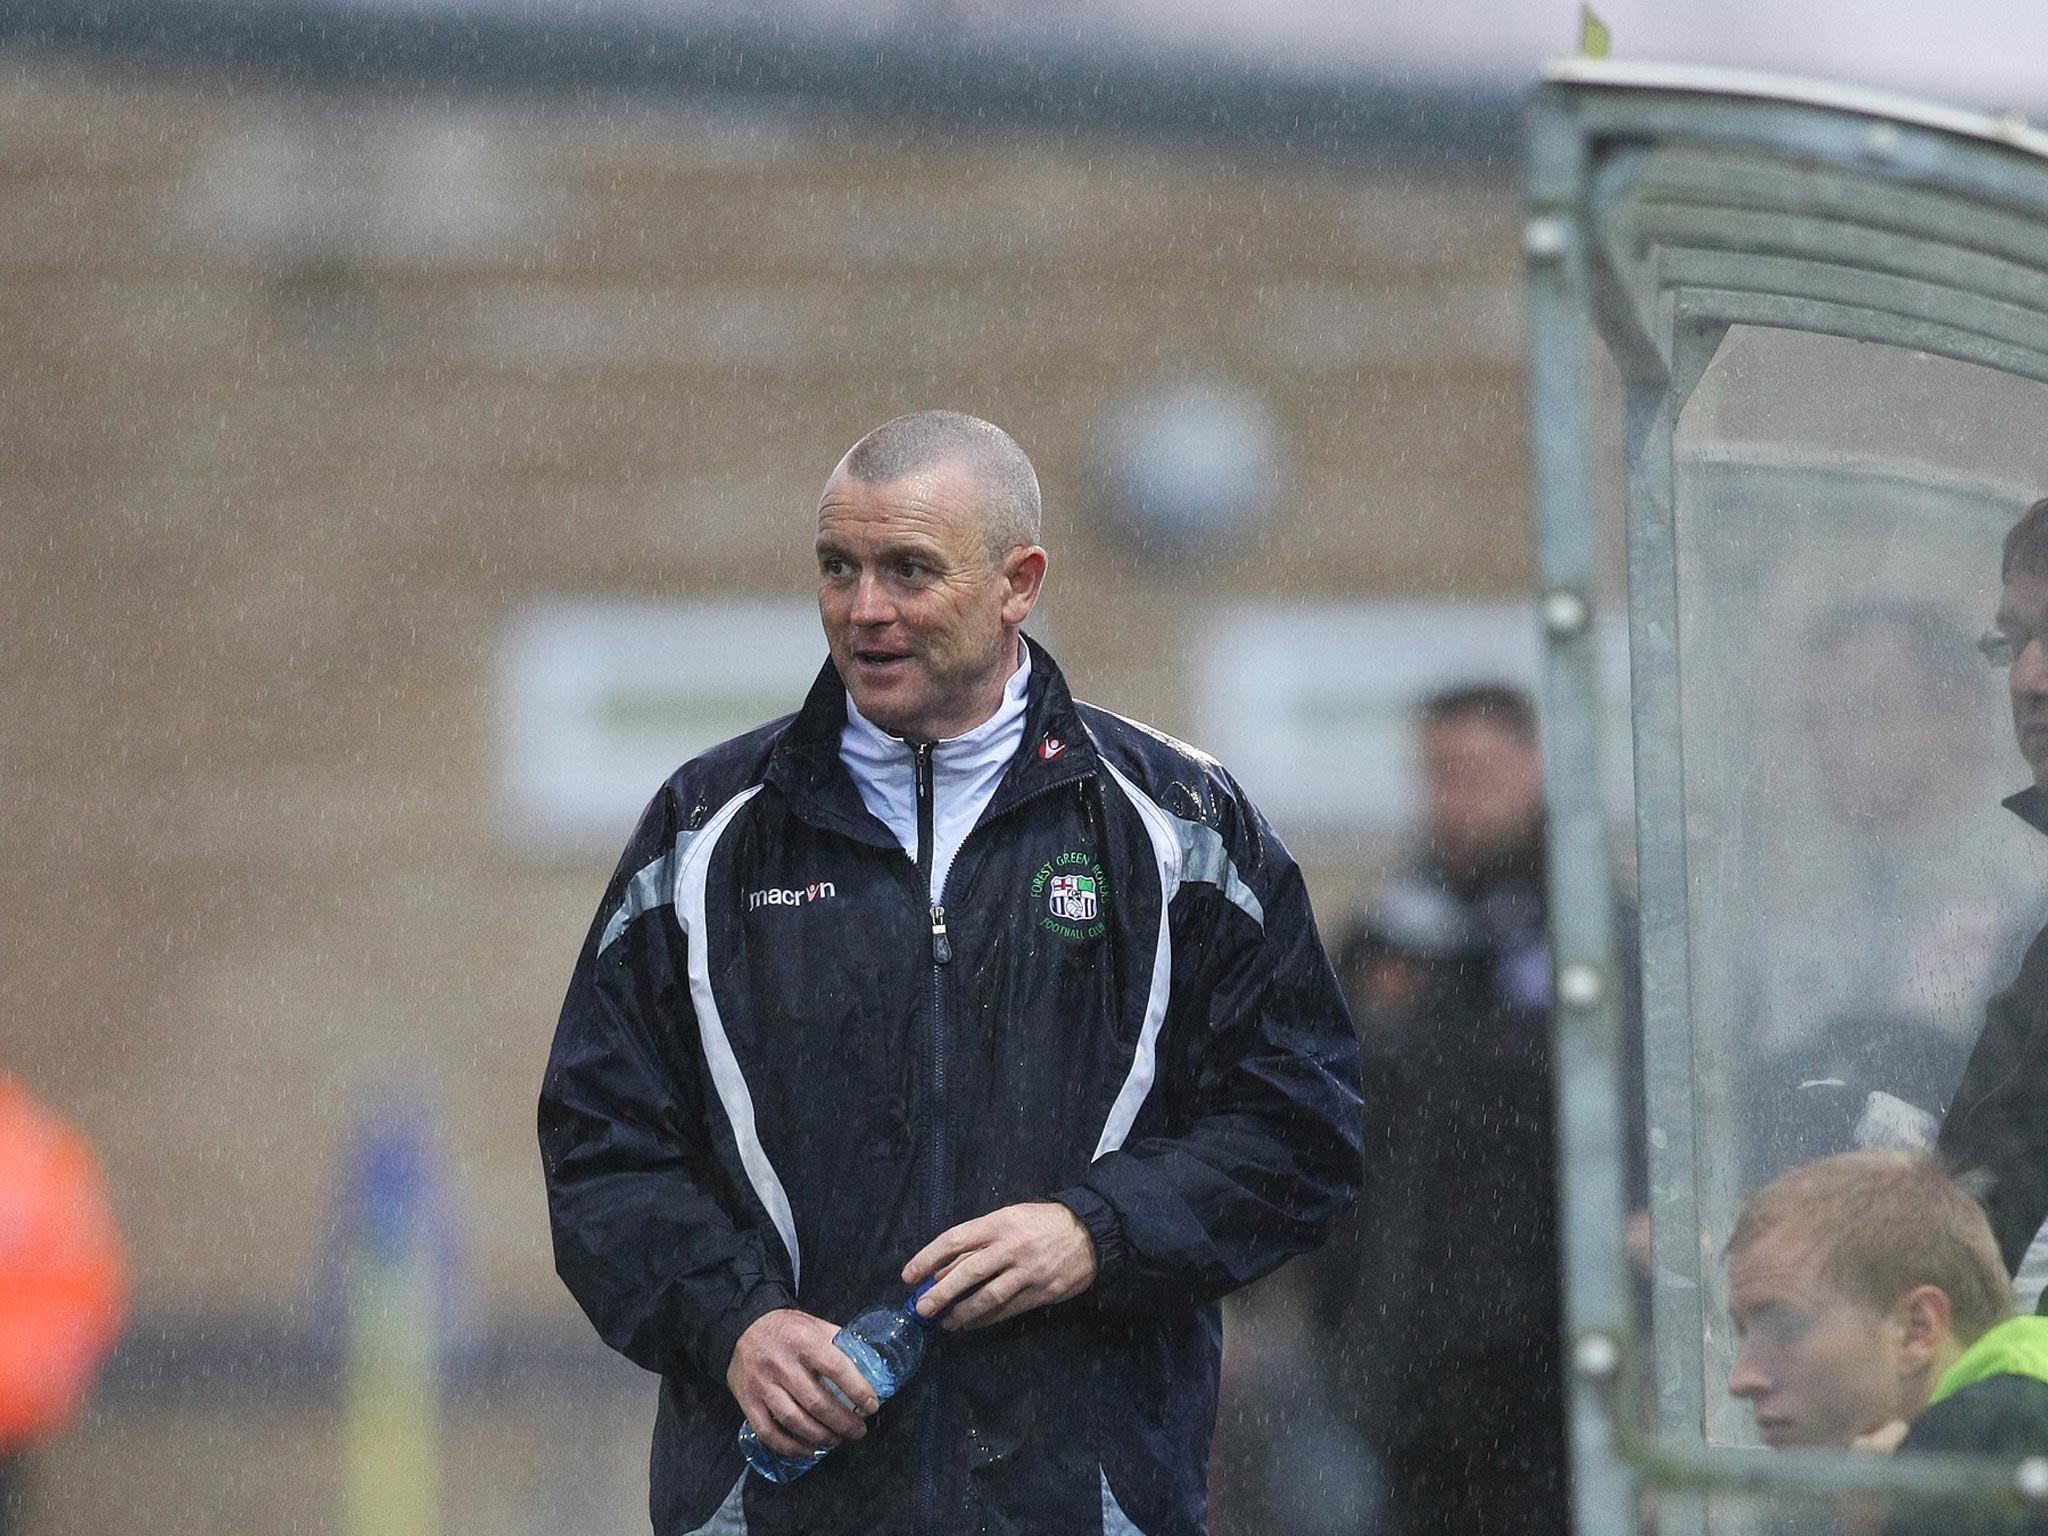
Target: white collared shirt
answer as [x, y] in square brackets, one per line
[965, 772]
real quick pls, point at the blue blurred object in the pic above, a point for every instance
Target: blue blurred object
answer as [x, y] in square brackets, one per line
[397, 1285]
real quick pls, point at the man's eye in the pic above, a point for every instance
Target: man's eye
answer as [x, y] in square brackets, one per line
[910, 570]
[2000, 648]
[831, 565]
[1781, 1327]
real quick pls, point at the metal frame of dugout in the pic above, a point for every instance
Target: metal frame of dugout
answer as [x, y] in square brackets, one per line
[1665, 206]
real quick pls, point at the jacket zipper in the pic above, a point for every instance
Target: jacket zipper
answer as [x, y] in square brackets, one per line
[942, 953]
[930, 1429]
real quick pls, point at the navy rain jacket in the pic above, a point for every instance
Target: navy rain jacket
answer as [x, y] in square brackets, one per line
[773, 1082]
[1997, 1125]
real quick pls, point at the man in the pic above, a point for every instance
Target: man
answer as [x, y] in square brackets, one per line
[1996, 1129]
[945, 976]
[1873, 1311]
[1859, 1285]
[1448, 1273]
[1857, 1041]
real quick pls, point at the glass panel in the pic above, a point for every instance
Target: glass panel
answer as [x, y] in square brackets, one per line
[1757, 1514]
[1785, 1514]
[1856, 891]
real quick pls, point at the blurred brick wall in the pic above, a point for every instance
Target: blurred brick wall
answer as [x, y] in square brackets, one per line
[305, 393]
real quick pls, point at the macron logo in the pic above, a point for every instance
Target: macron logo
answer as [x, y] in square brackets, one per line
[817, 890]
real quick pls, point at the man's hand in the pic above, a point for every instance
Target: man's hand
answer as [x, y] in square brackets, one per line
[774, 1377]
[997, 1266]
[1885, 1438]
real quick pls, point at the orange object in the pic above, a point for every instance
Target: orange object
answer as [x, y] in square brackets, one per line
[63, 1285]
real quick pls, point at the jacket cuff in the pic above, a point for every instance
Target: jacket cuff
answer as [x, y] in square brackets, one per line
[1105, 1229]
[725, 1332]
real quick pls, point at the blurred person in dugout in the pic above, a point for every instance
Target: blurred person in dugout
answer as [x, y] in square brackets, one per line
[1864, 1042]
[1996, 1131]
[62, 1282]
[1873, 1312]
[1443, 1287]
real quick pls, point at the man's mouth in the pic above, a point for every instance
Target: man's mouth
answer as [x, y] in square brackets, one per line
[879, 660]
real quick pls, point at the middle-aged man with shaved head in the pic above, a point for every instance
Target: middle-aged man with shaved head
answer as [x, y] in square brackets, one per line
[944, 977]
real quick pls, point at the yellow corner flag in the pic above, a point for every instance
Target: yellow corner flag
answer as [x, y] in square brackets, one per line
[1594, 38]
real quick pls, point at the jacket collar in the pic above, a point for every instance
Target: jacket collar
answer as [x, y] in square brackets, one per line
[2016, 1347]
[805, 767]
[2031, 806]
[1056, 749]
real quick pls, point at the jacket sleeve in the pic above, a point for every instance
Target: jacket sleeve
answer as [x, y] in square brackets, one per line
[1259, 1041]
[649, 1234]
[1996, 1132]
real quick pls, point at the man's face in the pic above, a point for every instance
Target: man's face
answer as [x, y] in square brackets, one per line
[2023, 617]
[1485, 786]
[919, 614]
[1816, 1365]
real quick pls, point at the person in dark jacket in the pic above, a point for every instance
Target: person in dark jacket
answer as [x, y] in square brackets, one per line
[1996, 1129]
[1446, 1277]
[948, 977]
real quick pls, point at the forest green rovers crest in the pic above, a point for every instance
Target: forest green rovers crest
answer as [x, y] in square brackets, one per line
[1076, 896]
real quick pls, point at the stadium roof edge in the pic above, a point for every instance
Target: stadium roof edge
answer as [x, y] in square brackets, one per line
[1226, 102]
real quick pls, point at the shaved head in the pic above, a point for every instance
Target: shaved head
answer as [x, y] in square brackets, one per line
[1009, 504]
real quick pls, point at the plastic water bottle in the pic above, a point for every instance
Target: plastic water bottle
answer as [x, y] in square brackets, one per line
[886, 1342]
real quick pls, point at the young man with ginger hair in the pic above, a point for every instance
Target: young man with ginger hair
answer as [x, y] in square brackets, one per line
[1874, 1311]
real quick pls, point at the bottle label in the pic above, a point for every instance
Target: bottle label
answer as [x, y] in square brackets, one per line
[870, 1364]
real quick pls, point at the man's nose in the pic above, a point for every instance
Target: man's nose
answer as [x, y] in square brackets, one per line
[871, 604]
[1745, 1379]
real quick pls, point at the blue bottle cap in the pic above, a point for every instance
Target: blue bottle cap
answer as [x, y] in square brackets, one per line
[918, 1317]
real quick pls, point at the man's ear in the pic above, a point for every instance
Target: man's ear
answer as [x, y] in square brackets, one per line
[1923, 1316]
[1024, 575]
